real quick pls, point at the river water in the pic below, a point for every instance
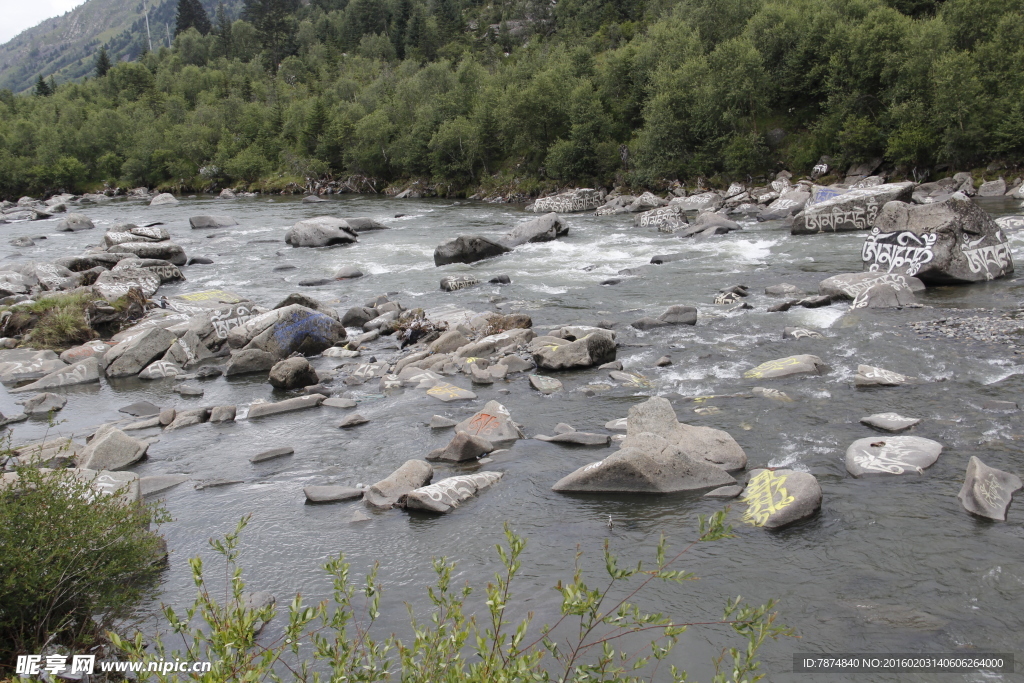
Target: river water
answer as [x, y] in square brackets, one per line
[889, 565]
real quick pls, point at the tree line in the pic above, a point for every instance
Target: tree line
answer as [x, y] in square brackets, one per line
[529, 94]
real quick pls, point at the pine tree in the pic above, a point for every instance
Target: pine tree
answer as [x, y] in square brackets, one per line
[449, 21]
[224, 29]
[274, 26]
[42, 89]
[316, 125]
[192, 15]
[102, 63]
[399, 25]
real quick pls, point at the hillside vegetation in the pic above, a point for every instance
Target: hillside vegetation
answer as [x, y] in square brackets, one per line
[526, 94]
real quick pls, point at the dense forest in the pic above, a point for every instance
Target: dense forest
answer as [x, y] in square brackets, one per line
[526, 95]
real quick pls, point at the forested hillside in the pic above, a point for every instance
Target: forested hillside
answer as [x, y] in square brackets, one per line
[526, 94]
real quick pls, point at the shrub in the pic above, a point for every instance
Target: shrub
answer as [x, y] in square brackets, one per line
[56, 321]
[73, 562]
[594, 640]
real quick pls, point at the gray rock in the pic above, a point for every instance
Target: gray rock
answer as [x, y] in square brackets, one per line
[293, 373]
[162, 199]
[646, 463]
[780, 497]
[890, 422]
[166, 251]
[541, 229]
[1000, 406]
[443, 391]
[447, 494]
[159, 483]
[468, 249]
[788, 204]
[787, 367]
[410, 476]
[619, 425]
[43, 404]
[74, 222]
[312, 199]
[365, 224]
[338, 402]
[83, 372]
[441, 422]
[546, 385]
[222, 414]
[987, 491]
[884, 296]
[161, 369]
[347, 273]
[285, 331]
[353, 420]
[725, 492]
[449, 341]
[111, 449]
[582, 199]
[247, 361]
[188, 390]
[577, 438]
[454, 283]
[946, 242]
[461, 448]
[663, 219]
[679, 315]
[129, 357]
[331, 494]
[167, 416]
[516, 364]
[869, 376]
[853, 210]
[286, 406]
[648, 323]
[148, 423]
[187, 418]
[199, 222]
[891, 455]
[664, 362]
[852, 285]
[706, 201]
[993, 188]
[322, 231]
[272, 454]
[593, 349]
[493, 422]
[140, 409]
[714, 446]
[783, 289]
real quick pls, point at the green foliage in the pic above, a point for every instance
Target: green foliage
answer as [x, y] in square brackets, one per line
[72, 562]
[596, 637]
[482, 94]
[57, 321]
[191, 15]
[102, 63]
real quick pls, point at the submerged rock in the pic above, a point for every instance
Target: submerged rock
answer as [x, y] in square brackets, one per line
[786, 367]
[870, 376]
[890, 422]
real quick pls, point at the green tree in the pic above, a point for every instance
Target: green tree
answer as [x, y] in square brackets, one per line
[275, 24]
[42, 87]
[102, 62]
[399, 26]
[223, 30]
[191, 14]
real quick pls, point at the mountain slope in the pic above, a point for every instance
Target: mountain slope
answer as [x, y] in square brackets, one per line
[66, 46]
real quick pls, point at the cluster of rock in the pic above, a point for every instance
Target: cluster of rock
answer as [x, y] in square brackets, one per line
[472, 248]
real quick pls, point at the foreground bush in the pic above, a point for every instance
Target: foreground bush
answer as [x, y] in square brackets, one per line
[73, 562]
[596, 638]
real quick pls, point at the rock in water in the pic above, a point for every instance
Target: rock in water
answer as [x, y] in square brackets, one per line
[41, 404]
[800, 333]
[163, 198]
[570, 201]
[869, 376]
[331, 494]
[272, 454]
[890, 422]
[468, 249]
[854, 210]
[322, 231]
[852, 285]
[82, 372]
[410, 476]
[248, 360]
[987, 491]
[443, 391]
[576, 438]
[111, 449]
[593, 349]
[940, 243]
[785, 367]
[291, 329]
[884, 296]
[780, 497]
[286, 406]
[447, 494]
[455, 283]
[293, 373]
[714, 446]
[493, 423]
[891, 455]
[646, 463]
[129, 357]
[199, 222]
[74, 222]
[545, 385]
[463, 447]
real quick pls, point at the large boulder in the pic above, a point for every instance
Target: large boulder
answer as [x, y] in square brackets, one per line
[17, 365]
[114, 284]
[541, 229]
[854, 210]
[74, 222]
[852, 285]
[284, 331]
[167, 251]
[293, 373]
[786, 205]
[462, 447]
[891, 455]
[248, 361]
[593, 349]
[713, 446]
[212, 326]
[582, 199]
[387, 492]
[706, 201]
[82, 372]
[986, 490]
[785, 367]
[162, 199]
[870, 376]
[775, 498]
[493, 423]
[111, 449]
[468, 249]
[448, 494]
[130, 357]
[322, 231]
[940, 243]
[365, 224]
[129, 232]
[646, 463]
[664, 219]
[198, 222]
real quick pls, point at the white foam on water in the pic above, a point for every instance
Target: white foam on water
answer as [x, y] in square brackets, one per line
[545, 289]
[821, 318]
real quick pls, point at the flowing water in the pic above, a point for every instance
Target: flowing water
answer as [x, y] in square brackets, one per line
[889, 565]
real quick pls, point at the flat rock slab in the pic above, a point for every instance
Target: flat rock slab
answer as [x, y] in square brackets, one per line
[987, 491]
[725, 492]
[577, 438]
[43, 404]
[780, 497]
[83, 372]
[447, 494]
[331, 494]
[160, 482]
[619, 425]
[545, 385]
[870, 376]
[111, 449]
[337, 402]
[386, 492]
[353, 420]
[443, 391]
[272, 454]
[286, 406]
[786, 367]
[494, 423]
[215, 483]
[890, 422]
[441, 422]
[140, 409]
[891, 455]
